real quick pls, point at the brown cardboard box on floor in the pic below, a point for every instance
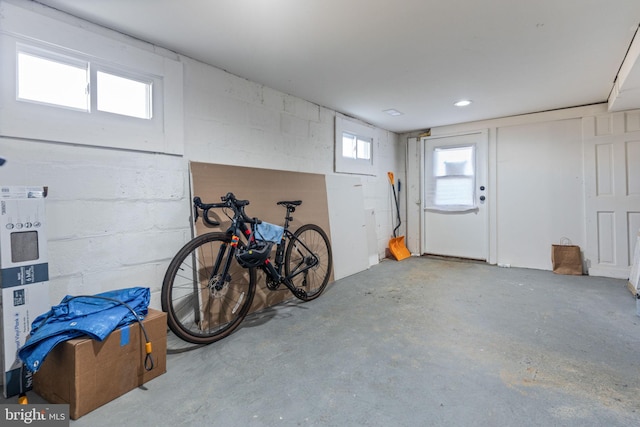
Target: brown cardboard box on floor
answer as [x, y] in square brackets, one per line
[86, 373]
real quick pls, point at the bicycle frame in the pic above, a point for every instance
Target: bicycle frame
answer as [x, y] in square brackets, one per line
[308, 263]
[274, 269]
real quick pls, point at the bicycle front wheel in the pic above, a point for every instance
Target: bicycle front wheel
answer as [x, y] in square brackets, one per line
[205, 292]
[308, 260]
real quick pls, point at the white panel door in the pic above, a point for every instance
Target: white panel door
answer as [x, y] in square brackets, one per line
[612, 191]
[454, 202]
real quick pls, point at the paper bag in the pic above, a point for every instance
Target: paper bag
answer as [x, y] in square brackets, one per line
[566, 259]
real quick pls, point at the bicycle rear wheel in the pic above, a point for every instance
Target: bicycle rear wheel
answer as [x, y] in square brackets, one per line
[308, 260]
[203, 304]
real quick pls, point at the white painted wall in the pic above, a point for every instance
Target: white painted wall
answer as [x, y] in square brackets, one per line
[536, 183]
[539, 192]
[116, 217]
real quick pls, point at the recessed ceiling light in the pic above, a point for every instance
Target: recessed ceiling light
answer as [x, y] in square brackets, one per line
[392, 112]
[463, 103]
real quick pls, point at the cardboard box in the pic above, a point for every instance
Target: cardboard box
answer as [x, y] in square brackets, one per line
[86, 373]
[24, 275]
[20, 306]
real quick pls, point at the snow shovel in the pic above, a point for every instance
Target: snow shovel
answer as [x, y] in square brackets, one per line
[396, 245]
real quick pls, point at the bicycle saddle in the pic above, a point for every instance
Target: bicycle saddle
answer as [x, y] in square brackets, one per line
[290, 203]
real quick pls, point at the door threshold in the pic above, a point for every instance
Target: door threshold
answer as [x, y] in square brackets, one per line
[455, 258]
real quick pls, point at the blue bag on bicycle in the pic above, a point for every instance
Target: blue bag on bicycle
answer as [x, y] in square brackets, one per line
[269, 232]
[258, 250]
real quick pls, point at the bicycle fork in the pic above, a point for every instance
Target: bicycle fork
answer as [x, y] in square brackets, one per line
[217, 278]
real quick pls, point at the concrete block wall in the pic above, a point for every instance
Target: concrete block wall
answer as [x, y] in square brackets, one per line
[116, 217]
[234, 121]
[230, 120]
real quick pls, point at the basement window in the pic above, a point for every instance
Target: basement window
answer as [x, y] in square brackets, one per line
[69, 81]
[354, 151]
[61, 81]
[356, 147]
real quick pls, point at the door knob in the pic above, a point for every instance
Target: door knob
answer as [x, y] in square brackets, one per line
[482, 198]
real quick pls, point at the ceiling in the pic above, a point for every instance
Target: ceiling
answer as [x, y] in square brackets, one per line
[361, 57]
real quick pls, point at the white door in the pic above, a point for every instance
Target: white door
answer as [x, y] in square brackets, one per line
[454, 202]
[612, 191]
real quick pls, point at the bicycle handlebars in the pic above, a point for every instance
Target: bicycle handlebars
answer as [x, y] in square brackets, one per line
[229, 200]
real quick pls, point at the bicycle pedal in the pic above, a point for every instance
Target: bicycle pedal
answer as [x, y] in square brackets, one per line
[300, 293]
[272, 285]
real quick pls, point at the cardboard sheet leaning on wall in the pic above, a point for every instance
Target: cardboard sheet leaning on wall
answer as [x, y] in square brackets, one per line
[263, 188]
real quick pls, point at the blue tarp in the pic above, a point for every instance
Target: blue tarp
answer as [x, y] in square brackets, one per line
[78, 316]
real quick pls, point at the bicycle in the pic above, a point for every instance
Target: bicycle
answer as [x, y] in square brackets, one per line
[209, 285]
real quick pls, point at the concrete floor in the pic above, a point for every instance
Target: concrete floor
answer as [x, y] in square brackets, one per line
[421, 342]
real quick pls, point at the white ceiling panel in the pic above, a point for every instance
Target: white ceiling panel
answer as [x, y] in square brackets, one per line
[361, 57]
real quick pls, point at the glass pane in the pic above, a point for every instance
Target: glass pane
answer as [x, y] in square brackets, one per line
[454, 191]
[364, 149]
[453, 161]
[348, 146]
[451, 182]
[124, 96]
[52, 82]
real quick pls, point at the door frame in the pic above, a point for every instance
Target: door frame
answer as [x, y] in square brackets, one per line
[490, 238]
